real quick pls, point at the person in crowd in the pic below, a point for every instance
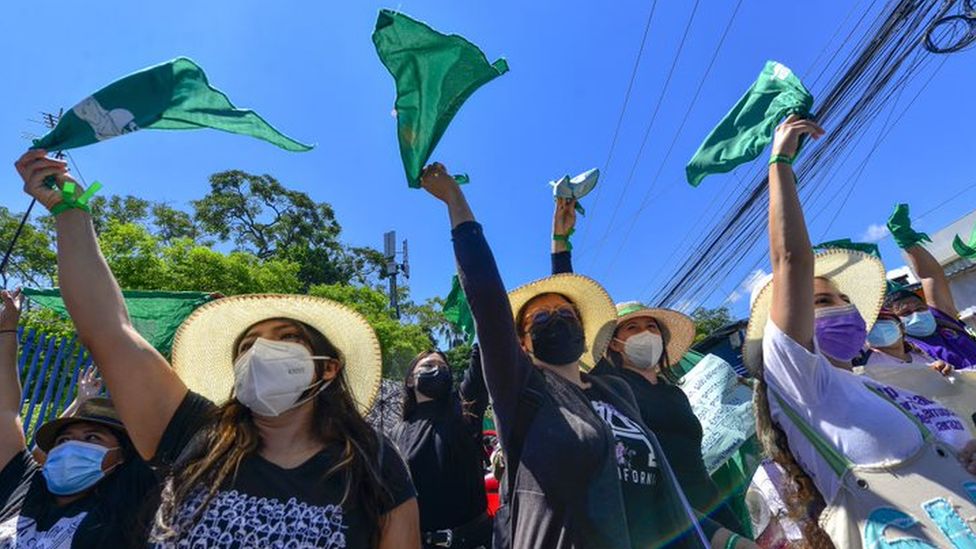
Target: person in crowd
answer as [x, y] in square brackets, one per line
[440, 439]
[887, 343]
[855, 461]
[647, 343]
[92, 491]
[931, 324]
[285, 458]
[581, 468]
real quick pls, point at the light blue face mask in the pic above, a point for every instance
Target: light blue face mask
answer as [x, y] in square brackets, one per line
[920, 323]
[74, 466]
[885, 333]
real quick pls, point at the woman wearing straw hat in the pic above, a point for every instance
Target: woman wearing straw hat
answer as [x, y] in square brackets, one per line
[92, 491]
[440, 439]
[582, 470]
[286, 458]
[856, 463]
[647, 343]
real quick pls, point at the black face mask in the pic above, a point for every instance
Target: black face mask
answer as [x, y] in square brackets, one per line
[435, 384]
[558, 341]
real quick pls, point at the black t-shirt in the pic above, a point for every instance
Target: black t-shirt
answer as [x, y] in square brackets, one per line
[446, 464]
[114, 514]
[265, 505]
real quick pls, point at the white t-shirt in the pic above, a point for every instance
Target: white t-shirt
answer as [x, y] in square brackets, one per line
[862, 426]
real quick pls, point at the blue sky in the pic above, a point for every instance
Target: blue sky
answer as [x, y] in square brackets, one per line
[311, 69]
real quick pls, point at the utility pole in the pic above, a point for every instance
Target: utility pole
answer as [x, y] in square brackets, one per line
[392, 268]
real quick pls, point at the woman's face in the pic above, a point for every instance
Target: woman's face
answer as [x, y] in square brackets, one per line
[93, 433]
[539, 310]
[283, 330]
[826, 294]
[429, 363]
[635, 326]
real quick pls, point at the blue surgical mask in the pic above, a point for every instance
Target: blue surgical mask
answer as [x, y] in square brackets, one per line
[920, 323]
[885, 333]
[74, 466]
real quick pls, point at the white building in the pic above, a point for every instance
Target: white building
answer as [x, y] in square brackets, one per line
[960, 272]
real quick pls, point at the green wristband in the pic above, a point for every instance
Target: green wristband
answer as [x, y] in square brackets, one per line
[733, 539]
[565, 238]
[70, 202]
[780, 159]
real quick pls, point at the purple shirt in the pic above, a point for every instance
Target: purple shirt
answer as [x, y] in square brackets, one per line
[950, 342]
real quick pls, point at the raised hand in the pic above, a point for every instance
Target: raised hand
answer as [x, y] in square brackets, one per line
[942, 367]
[10, 313]
[564, 218]
[35, 168]
[786, 140]
[89, 384]
[439, 183]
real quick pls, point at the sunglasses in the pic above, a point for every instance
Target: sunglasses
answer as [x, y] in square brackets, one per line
[545, 315]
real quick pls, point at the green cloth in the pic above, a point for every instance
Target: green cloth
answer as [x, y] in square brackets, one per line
[746, 130]
[457, 311]
[900, 226]
[171, 96]
[435, 74]
[966, 250]
[155, 315]
[869, 248]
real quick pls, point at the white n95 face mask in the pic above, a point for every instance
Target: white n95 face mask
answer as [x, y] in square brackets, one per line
[271, 376]
[644, 349]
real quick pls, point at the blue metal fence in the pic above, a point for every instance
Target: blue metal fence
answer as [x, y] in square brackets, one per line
[49, 368]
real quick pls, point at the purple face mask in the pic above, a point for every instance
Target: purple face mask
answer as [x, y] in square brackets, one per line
[841, 331]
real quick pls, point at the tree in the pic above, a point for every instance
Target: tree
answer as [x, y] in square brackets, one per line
[399, 342]
[263, 217]
[708, 321]
[33, 261]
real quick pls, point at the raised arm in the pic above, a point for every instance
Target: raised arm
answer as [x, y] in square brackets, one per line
[11, 430]
[144, 388]
[563, 225]
[505, 364]
[474, 393]
[934, 282]
[89, 387]
[790, 251]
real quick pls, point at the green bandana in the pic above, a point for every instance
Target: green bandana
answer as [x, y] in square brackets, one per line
[847, 244]
[746, 130]
[900, 226]
[171, 96]
[457, 311]
[155, 315]
[435, 74]
[965, 250]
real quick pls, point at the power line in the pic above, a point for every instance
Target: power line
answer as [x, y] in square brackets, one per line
[650, 125]
[623, 109]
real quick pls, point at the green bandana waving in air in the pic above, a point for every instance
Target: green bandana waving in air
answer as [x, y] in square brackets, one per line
[457, 311]
[964, 249]
[900, 226]
[435, 74]
[746, 130]
[171, 96]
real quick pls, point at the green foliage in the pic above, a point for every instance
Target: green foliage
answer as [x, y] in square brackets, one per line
[33, 260]
[459, 357]
[708, 321]
[399, 342]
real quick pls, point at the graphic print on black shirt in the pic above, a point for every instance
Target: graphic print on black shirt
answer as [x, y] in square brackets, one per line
[636, 460]
[265, 505]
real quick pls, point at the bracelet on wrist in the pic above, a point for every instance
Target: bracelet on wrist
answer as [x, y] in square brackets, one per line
[71, 202]
[733, 539]
[780, 159]
[565, 238]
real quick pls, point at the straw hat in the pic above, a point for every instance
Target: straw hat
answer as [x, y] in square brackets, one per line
[859, 276]
[203, 348]
[93, 410]
[680, 327]
[594, 304]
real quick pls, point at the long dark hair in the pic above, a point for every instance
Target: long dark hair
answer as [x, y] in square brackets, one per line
[232, 436]
[667, 371]
[409, 396]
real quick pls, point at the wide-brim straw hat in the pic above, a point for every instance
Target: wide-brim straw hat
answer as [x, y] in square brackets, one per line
[203, 348]
[93, 410]
[597, 313]
[680, 327]
[859, 276]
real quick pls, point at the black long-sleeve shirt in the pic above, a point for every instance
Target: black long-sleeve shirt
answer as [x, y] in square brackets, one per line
[441, 443]
[666, 410]
[567, 492]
